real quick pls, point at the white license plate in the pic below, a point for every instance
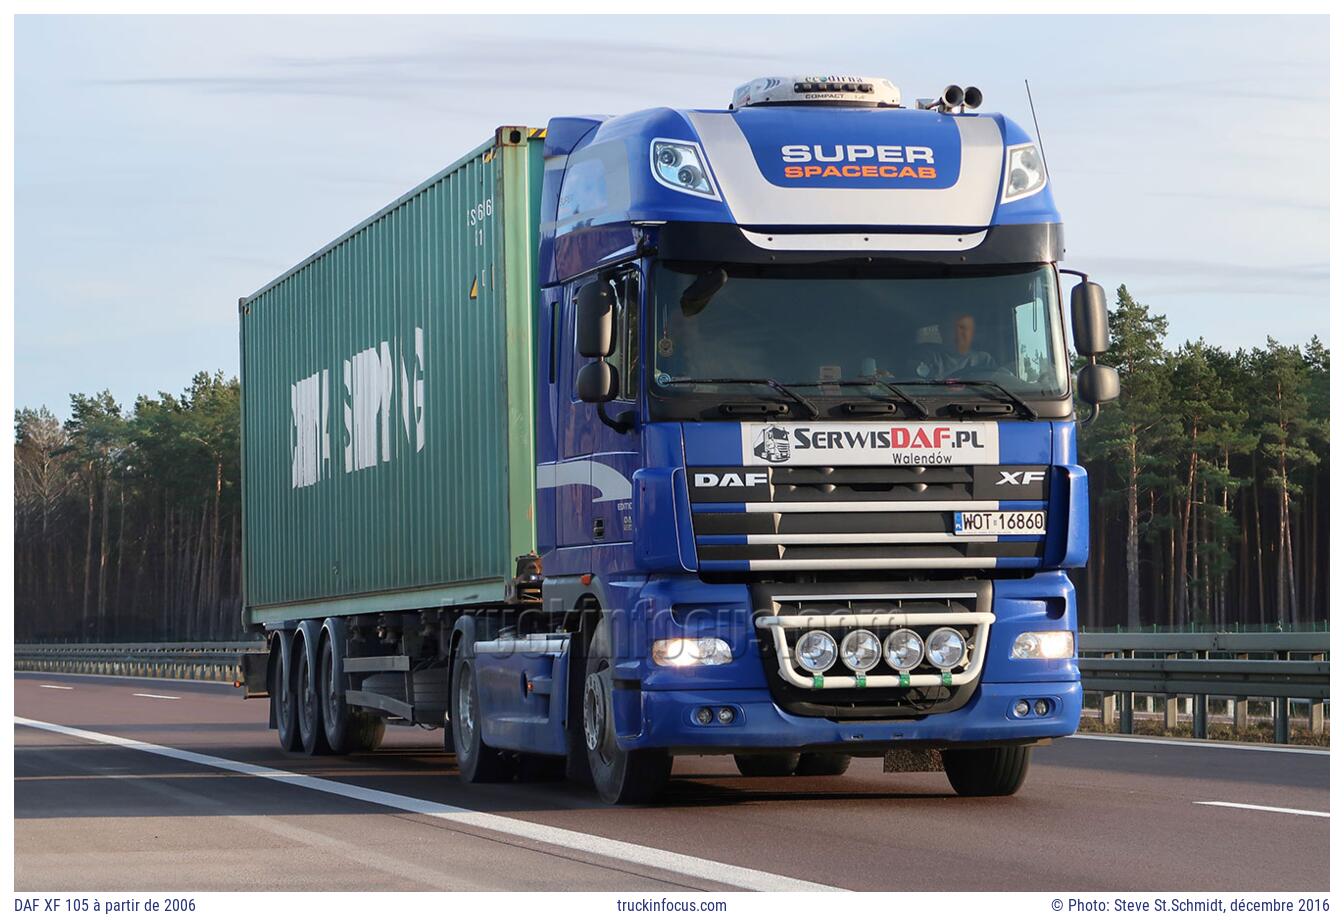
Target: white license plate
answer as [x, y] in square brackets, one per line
[999, 522]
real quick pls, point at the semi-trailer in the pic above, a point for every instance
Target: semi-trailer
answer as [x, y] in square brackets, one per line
[743, 431]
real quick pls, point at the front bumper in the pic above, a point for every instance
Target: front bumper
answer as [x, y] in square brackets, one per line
[666, 720]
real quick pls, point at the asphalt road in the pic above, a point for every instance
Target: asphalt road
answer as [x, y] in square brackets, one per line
[217, 806]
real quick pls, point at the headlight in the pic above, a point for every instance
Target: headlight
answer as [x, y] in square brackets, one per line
[1023, 172]
[815, 651]
[903, 649]
[1053, 644]
[680, 653]
[681, 165]
[946, 647]
[860, 651]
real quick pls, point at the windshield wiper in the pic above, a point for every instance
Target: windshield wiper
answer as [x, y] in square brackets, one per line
[890, 387]
[1017, 402]
[782, 388]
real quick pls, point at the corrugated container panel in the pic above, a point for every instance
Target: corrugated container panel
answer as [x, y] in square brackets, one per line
[388, 457]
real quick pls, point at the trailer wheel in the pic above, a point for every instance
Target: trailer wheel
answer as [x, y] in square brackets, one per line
[620, 777]
[282, 698]
[348, 730]
[311, 735]
[822, 764]
[766, 764]
[477, 762]
[987, 771]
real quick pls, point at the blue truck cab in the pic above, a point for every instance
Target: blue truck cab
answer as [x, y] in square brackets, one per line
[807, 462]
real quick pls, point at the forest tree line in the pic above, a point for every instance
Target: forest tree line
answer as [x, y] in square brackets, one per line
[1209, 491]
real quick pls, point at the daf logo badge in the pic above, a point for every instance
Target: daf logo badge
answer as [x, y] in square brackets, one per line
[772, 445]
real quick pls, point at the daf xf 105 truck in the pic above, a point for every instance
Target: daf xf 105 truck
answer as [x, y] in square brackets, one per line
[741, 431]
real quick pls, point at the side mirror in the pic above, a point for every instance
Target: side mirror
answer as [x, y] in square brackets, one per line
[1091, 324]
[596, 382]
[594, 320]
[698, 293]
[1098, 384]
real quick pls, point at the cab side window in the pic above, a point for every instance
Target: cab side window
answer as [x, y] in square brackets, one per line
[625, 358]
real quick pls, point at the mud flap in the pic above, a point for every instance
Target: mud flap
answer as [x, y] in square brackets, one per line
[255, 668]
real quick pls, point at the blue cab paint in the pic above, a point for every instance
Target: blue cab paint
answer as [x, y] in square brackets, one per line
[676, 562]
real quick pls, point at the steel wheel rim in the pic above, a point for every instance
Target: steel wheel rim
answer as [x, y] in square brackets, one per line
[597, 728]
[328, 682]
[307, 697]
[466, 718]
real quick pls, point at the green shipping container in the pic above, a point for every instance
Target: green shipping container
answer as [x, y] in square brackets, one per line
[387, 387]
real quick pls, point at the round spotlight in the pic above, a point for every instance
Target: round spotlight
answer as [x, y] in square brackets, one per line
[815, 651]
[860, 651]
[704, 715]
[945, 648]
[669, 156]
[1042, 707]
[689, 176]
[903, 649]
[1021, 708]
[726, 715]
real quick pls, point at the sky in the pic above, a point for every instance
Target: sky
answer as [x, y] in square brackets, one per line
[166, 166]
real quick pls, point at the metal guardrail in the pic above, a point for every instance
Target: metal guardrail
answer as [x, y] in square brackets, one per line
[1204, 665]
[215, 661]
[1118, 665]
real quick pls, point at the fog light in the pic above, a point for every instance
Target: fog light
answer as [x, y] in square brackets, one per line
[681, 653]
[815, 651]
[904, 649]
[1021, 708]
[945, 648]
[704, 715]
[726, 715]
[860, 651]
[1052, 644]
[1042, 707]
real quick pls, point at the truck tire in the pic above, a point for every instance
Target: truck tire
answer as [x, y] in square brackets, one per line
[282, 698]
[987, 771]
[312, 737]
[822, 764]
[477, 762]
[620, 777]
[766, 764]
[349, 730]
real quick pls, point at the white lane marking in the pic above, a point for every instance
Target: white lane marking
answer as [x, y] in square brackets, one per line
[156, 696]
[1282, 811]
[1207, 745]
[650, 857]
[54, 687]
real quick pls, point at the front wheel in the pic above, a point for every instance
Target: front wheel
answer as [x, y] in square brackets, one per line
[987, 771]
[620, 777]
[477, 762]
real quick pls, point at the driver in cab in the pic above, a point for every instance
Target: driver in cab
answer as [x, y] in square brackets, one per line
[949, 349]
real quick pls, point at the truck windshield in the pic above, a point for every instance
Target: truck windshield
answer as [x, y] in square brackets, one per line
[826, 327]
